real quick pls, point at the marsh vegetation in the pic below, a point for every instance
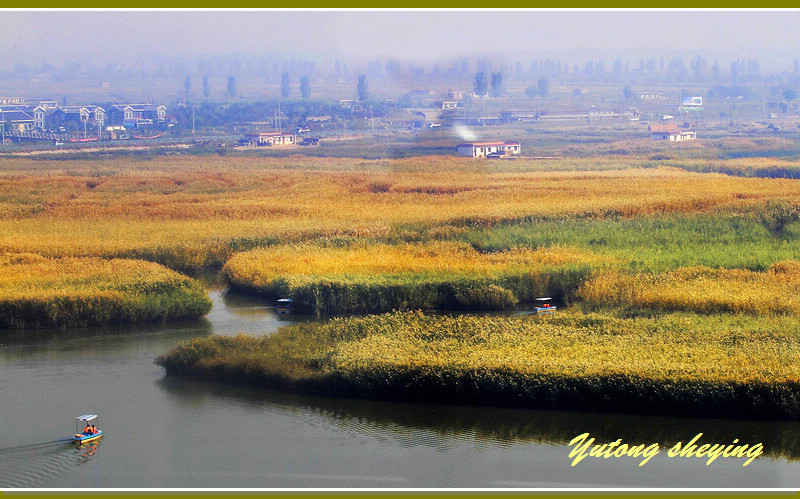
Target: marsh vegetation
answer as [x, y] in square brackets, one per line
[681, 294]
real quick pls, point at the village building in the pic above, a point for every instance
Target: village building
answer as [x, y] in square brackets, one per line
[488, 149]
[406, 119]
[319, 119]
[48, 115]
[446, 105]
[12, 101]
[512, 116]
[42, 113]
[269, 139]
[456, 95]
[137, 115]
[21, 115]
[472, 120]
[15, 119]
[671, 133]
[651, 95]
[69, 117]
[41, 116]
[418, 98]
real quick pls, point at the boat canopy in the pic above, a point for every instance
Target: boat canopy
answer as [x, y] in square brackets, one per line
[544, 299]
[86, 417]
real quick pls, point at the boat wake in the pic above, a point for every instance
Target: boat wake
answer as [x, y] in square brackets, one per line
[35, 465]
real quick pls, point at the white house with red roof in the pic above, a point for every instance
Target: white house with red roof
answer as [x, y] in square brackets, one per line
[487, 149]
[671, 133]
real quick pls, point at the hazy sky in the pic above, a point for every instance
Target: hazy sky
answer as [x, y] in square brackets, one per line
[35, 37]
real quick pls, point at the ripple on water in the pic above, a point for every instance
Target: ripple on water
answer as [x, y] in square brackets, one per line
[32, 465]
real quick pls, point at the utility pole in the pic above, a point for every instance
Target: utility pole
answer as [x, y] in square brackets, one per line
[193, 130]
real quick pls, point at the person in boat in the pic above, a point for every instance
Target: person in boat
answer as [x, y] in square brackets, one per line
[87, 430]
[94, 430]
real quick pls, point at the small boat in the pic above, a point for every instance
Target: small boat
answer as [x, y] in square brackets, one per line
[86, 429]
[284, 306]
[544, 307]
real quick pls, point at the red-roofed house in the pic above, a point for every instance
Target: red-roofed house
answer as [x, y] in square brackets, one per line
[484, 149]
[671, 133]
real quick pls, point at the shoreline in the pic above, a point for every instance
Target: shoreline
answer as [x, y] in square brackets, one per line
[359, 358]
[552, 393]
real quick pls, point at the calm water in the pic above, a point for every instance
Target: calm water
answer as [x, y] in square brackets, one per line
[174, 432]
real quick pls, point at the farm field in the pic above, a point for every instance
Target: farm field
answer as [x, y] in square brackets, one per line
[641, 255]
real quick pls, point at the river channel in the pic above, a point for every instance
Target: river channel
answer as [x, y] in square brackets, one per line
[182, 433]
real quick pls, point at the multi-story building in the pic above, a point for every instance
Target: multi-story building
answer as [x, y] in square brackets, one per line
[137, 115]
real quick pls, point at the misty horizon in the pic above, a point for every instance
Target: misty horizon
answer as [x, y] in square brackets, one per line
[37, 38]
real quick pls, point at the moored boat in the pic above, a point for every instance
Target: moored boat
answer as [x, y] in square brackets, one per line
[544, 307]
[284, 306]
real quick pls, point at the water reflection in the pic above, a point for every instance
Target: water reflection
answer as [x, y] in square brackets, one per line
[16, 337]
[235, 313]
[34, 465]
[232, 313]
[286, 440]
[500, 425]
[243, 303]
[98, 340]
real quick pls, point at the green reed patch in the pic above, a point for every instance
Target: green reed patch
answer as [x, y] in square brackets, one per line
[75, 292]
[679, 364]
[374, 278]
[651, 243]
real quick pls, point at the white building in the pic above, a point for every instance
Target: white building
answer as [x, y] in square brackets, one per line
[673, 135]
[447, 105]
[270, 139]
[485, 149]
